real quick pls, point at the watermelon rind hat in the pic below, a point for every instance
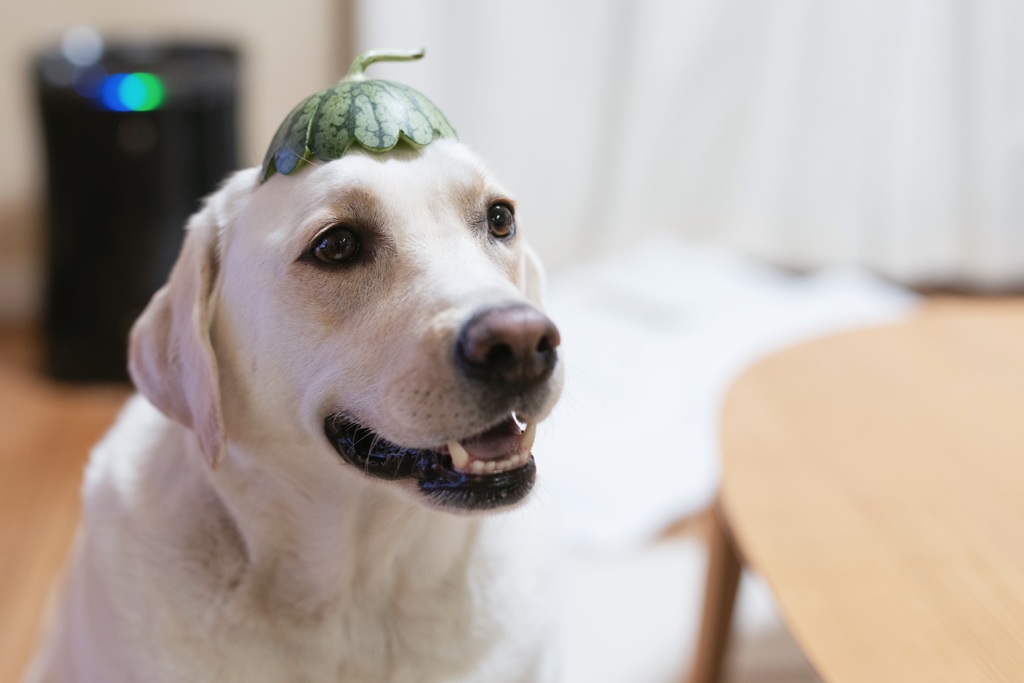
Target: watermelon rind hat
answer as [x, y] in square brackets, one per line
[374, 114]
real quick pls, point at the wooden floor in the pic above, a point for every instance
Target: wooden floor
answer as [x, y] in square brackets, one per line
[46, 430]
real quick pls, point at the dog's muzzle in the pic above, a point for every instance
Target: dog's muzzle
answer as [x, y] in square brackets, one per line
[509, 354]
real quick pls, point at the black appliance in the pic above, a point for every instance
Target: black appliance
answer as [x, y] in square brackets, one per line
[133, 141]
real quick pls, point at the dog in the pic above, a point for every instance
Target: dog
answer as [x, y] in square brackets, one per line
[343, 373]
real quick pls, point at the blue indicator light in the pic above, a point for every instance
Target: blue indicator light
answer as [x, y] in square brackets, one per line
[110, 95]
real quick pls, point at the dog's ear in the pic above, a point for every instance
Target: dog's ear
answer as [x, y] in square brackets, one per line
[171, 357]
[533, 276]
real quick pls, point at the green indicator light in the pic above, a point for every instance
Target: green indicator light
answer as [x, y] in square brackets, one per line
[140, 92]
[154, 91]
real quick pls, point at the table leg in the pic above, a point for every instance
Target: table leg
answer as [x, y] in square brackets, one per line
[724, 568]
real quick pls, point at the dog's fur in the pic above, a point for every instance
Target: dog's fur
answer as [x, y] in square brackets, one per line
[223, 538]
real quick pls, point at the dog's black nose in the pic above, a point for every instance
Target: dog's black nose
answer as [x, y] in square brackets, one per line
[513, 346]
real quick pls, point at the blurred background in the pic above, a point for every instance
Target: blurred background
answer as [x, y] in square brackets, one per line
[705, 148]
[881, 133]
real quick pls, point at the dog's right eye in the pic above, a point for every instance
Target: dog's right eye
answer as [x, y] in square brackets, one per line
[337, 245]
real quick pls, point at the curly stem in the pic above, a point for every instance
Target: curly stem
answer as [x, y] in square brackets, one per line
[355, 72]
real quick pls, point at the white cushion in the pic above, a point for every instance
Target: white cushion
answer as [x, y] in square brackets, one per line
[652, 338]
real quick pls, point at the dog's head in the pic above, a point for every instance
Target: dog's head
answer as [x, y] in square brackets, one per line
[379, 313]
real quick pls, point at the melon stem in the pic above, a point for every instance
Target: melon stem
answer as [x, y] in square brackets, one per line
[356, 71]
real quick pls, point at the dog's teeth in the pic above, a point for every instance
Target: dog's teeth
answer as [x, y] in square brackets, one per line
[462, 462]
[529, 436]
[459, 455]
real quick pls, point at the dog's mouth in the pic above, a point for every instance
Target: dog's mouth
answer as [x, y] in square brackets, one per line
[488, 470]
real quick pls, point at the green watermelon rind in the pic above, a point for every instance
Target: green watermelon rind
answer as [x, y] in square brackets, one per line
[373, 114]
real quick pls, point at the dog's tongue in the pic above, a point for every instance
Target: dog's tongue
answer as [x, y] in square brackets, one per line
[496, 450]
[496, 443]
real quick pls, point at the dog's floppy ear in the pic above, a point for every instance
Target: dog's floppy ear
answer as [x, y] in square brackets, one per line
[171, 357]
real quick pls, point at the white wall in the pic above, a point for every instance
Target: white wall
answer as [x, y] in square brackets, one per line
[290, 49]
[528, 85]
[883, 132]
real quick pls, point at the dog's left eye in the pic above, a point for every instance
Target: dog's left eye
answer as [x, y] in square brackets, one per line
[500, 221]
[337, 245]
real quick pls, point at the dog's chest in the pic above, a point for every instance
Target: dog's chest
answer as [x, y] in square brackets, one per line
[468, 632]
[478, 612]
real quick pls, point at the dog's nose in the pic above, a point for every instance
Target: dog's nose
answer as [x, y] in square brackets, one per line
[513, 346]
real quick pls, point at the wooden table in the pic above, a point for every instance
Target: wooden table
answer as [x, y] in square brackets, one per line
[876, 480]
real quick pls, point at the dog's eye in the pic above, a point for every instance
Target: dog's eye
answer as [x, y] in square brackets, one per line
[500, 221]
[337, 245]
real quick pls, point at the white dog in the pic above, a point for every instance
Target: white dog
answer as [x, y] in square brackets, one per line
[342, 364]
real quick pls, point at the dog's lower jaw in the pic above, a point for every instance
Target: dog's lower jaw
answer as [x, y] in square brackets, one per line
[443, 477]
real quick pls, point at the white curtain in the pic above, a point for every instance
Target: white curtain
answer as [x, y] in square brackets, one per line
[883, 132]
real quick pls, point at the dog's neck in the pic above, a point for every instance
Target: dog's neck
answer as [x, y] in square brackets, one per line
[311, 542]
